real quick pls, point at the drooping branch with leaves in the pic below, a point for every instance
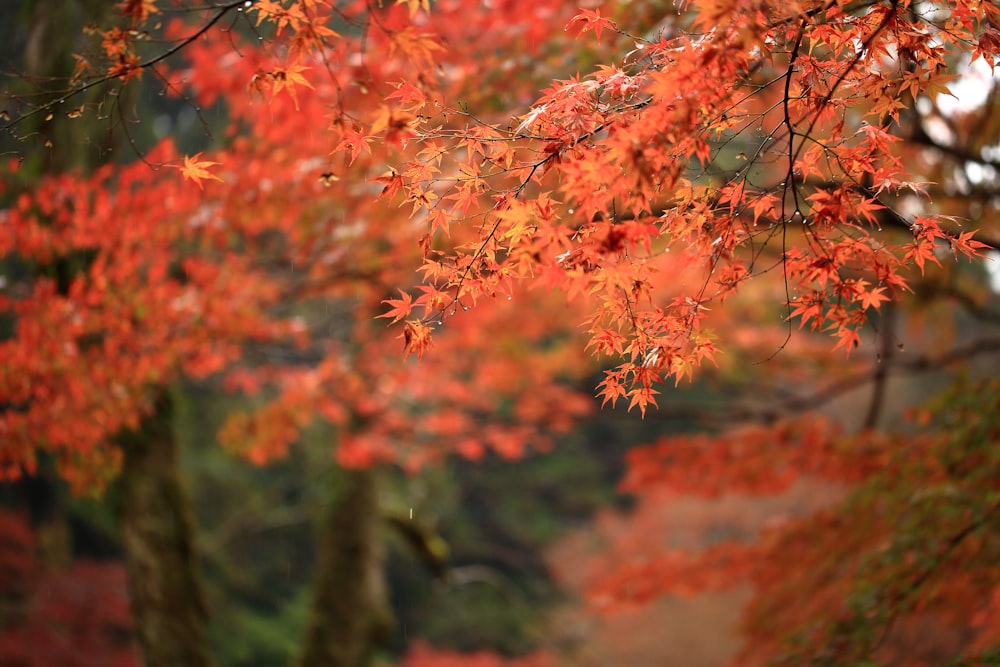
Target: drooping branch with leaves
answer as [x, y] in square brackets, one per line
[717, 181]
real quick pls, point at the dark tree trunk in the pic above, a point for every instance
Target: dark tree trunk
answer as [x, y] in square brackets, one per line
[157, 536]
[51, 37]
[350, 610]
[47, 508]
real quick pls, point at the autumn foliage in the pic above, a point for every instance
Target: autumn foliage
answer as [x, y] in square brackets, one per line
[78, 618]
[910, 545]
[425, 224]
[423, 655]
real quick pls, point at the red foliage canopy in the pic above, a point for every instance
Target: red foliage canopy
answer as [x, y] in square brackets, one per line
[679, 168]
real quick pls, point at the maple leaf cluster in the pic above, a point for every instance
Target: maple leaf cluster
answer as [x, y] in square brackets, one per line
[194, 282]
[754, 140]
[391, 162]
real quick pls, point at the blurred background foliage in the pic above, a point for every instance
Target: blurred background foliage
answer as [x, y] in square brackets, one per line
[472, 545]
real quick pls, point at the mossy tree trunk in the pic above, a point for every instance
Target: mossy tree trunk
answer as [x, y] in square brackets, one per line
[158, 538]
[52, 36]
[350, 609]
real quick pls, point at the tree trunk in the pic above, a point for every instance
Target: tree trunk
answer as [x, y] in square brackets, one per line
[51, 38]
[157, 536]
[350, 610]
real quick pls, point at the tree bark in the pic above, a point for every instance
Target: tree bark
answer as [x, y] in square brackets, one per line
[350, 609]
[157, 536]
[51, 38]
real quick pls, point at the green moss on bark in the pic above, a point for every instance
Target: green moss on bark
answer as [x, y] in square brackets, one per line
[350, 611]
[158, 538]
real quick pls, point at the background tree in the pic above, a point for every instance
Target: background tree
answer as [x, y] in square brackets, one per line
[711, 160]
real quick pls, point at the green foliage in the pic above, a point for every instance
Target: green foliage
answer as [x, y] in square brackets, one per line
[249, 638]
[987, 658]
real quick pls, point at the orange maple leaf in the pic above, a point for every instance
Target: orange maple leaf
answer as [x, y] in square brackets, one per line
[416, 338]
[400, 307]
[286, 79]
[393, 182]
[848, 339]
[197, 170]
[354, 141]
[872, 299]
[138, 10]
[416, 5]
[920, 251]
[592, 20]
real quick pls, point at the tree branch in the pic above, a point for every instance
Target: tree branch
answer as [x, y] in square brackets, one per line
[733, 413]
[125, 70]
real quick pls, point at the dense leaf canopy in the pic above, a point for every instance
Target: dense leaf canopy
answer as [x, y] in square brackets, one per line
[428, 224]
